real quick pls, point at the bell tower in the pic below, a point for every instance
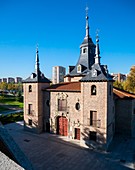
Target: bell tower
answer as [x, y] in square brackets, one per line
[86, 58]
[33, 98]
[98, 104]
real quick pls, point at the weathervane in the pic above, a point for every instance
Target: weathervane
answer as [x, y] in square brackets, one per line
[86, 9]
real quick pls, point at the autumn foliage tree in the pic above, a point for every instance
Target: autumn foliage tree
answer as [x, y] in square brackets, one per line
[13, 87]
[130, 82]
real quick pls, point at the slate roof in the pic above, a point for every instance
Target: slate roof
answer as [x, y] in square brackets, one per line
[88, 40]
[37, 78]
[101, 71]
[65, 87]
[85, 59]
[123, 94]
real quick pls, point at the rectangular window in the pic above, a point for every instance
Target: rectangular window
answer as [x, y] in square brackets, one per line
[93, 135]
[29, 109]
[62, 105]
[30, 122]
[93, 118]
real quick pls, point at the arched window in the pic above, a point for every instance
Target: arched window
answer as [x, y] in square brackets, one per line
[84, 50]
[30, 88]
[93, 90]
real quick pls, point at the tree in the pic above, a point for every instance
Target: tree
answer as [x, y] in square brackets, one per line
[118, 84]
[3, 86]
[130, 82]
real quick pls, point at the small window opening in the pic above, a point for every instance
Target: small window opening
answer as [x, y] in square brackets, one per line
[93, 90]
[93, 135]
[30, 122]
[29, 109]
[84, 50]
[30, 88]
[79, 69]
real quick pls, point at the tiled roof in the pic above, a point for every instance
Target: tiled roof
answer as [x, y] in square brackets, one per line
[66, 86]
[76, 87]
[122, 94]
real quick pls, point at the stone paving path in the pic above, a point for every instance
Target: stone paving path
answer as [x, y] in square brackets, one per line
[50, 152]
[6, 163]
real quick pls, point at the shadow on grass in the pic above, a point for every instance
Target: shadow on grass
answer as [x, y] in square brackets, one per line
[11, 118]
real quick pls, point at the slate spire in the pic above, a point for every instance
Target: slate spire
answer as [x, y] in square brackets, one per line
[97, 56]
[87, 23]
[37, 69]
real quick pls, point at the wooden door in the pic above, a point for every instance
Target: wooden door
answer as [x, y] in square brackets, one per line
[77, 133]
[62, 126]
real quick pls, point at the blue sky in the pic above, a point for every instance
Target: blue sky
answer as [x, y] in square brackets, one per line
[58, 26]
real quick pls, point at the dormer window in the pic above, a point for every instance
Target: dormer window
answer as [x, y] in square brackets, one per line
[93, 90]
[79, 69]
[84, 50]
[30, 88]
[94, 73]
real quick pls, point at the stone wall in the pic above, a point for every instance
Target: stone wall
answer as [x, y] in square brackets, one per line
[72, 79]
[123, 116]
[35, 97]
[100, 103]
[73, 115]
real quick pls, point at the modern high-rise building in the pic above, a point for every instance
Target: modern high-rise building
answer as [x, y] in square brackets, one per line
[10, 80]
[18, 80]
[4, 80]
[58, 73]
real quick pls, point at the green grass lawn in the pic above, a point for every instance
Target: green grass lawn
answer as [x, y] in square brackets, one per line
[11, 100]
[7, 102]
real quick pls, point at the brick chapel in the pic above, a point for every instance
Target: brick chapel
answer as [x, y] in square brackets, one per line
[85, 106]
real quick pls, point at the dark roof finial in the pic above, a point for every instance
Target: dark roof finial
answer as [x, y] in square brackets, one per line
[37, 61]
[87, 22]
